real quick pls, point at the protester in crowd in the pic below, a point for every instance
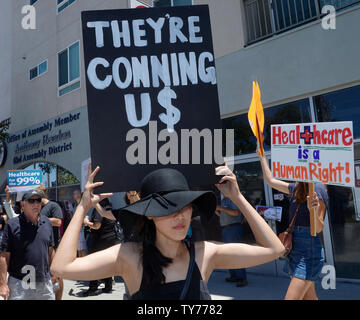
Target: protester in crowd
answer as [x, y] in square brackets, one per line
[82, 247]
[306, 259]
[26, 252]
[156, 267]
[231, 222]
[3, 219]
[103, 236]
[53, 211]
[125, 222]
[66, 217]
[131, 197]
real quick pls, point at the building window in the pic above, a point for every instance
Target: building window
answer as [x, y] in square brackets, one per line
[62, 4]
[338, 4]
[171, 3]
[69, 69]
[245, 141]
[344, 210]
[38, 70]
[341, 105]
[32, 2]
[288, 14]
[258, 19]
[265, 18]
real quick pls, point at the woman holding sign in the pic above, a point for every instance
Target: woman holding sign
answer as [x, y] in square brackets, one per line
[162, 265]
[306, 259]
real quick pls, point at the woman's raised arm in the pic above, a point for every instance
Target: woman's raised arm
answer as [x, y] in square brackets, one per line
[108, 214]
[277, 184]
[237, 255]
[95, 266]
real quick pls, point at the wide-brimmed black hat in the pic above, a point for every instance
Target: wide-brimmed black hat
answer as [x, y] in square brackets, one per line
[165, 191]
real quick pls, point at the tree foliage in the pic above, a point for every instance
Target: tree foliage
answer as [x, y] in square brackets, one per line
[4, 126]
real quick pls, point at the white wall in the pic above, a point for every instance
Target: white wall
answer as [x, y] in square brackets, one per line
[37, 100]
[5, 60]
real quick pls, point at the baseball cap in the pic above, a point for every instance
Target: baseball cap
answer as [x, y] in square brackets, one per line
[31, 193]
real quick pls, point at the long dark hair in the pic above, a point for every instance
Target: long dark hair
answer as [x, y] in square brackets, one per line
[153, 260]
[301, 192]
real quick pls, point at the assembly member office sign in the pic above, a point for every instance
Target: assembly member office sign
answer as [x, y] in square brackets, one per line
[314, 152]
[151, 93]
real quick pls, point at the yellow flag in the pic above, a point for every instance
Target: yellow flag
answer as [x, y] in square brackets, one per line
[256, 116]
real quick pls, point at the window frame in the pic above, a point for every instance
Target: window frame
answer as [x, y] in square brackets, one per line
[310, 106]
[172, 3]
[58, 5]
[33, 2]
[312, 101]
[37, 69]
[274, 19]
[74, 81]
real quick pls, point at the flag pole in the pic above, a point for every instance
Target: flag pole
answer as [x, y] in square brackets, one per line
[312, 211]
[261, 148]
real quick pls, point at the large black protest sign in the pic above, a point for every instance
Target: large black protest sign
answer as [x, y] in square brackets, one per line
[152, 94]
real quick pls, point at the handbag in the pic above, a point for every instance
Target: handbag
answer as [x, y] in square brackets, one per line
[286, 236]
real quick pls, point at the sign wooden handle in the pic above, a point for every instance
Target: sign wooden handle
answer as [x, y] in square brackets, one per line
[312, 212]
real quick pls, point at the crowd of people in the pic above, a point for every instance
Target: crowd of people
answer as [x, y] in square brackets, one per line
[150, 243]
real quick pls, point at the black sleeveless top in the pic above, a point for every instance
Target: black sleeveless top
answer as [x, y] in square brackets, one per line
[172, 290]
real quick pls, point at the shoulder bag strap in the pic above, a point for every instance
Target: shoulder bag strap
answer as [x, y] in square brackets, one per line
[189, 272]
[291, 226]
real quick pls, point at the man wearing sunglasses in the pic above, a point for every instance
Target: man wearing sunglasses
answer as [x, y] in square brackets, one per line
[26, 252]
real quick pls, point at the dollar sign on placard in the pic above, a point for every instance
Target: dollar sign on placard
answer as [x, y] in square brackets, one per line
[173, 114]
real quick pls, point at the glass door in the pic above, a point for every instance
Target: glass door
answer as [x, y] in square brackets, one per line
[345, 230]
[251, 183]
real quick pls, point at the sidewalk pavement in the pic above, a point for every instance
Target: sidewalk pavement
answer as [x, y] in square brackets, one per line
[260, 287]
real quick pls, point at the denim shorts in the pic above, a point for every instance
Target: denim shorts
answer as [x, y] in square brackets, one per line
[306, 258]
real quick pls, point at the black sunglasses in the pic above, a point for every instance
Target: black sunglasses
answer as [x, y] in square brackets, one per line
[38, 200]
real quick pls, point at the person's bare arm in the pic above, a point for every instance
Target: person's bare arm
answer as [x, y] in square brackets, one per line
[92, 225]
[6, 218]
[4, 263]
[277, 184]
[105, 213]
[51, 257]
[7, 204]
[238, 255]
[231, 212]
[51, 254]
[8, 195]
[320, 209]
[99, 265]
[55, 222]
